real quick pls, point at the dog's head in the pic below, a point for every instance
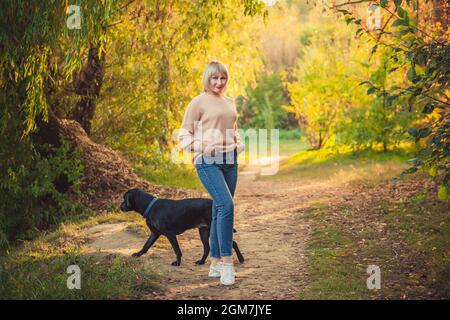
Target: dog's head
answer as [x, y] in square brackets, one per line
[128, 203]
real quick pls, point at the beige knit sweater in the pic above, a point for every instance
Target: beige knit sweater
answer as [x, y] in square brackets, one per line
[210, 126]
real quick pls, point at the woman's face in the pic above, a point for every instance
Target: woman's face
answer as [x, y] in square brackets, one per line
[217, 83]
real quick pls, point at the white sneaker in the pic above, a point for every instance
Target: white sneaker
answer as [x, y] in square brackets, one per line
[214, 271]
[227, 274]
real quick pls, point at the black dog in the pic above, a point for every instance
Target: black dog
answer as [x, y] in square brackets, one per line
[171, 218]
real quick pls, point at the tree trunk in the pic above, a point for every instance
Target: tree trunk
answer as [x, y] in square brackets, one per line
[88, 85]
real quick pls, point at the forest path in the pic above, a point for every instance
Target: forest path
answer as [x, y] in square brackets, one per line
[270, 232]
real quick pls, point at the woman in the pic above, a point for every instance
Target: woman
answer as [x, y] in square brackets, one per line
[209, 130]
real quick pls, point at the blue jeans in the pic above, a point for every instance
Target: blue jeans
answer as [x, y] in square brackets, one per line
[218, 175]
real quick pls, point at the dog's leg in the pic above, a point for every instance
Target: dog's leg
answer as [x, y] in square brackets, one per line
[204, 236]
[147, 245]
[238, 252]
[173, 241]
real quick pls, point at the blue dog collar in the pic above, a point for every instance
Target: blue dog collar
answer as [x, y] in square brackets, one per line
[150, 205]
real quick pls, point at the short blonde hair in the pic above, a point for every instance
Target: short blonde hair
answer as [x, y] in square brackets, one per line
[212, 68]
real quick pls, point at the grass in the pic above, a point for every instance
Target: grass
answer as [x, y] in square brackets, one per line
[38, 269]
[407, 236]
[339, 250]
[332, 272]
[173, 175]
[344, 242]
[343, 165]
[424, 225]
[112, 277]
[184, 175]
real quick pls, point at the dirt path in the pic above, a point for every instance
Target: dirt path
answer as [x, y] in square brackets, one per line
[270, 232]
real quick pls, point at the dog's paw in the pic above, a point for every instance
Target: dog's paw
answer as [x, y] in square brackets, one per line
[136, 254]
[176, 263]
[200, 262]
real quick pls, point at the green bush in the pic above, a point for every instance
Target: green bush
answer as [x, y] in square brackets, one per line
[290, 134]
[262, 106]
[29, 195]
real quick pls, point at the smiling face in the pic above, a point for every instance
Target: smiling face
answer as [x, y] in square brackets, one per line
[218, 83]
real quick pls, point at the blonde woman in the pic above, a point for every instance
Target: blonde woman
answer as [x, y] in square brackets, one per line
[209, 130]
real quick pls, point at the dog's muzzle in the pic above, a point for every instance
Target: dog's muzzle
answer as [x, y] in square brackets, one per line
[124, 207]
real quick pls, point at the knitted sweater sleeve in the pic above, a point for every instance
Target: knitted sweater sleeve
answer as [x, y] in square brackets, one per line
[186, 137]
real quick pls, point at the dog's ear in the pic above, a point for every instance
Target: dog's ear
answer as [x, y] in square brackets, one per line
[127, 200]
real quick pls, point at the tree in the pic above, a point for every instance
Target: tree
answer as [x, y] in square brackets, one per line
[154, 69]
[87, 85]
[262, 105]
[49, 71]
[326, 79]
[422, 48]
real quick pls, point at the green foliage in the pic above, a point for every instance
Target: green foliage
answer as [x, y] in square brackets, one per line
[38, 57]
[158, 168]
[325, 97]
[156, 69]
[328, 100]
[30, 34]
[40, 61]
[443, 193]
[422, 50]
[261, 107]
[29, 198]
[387, 117]
[293, 134]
